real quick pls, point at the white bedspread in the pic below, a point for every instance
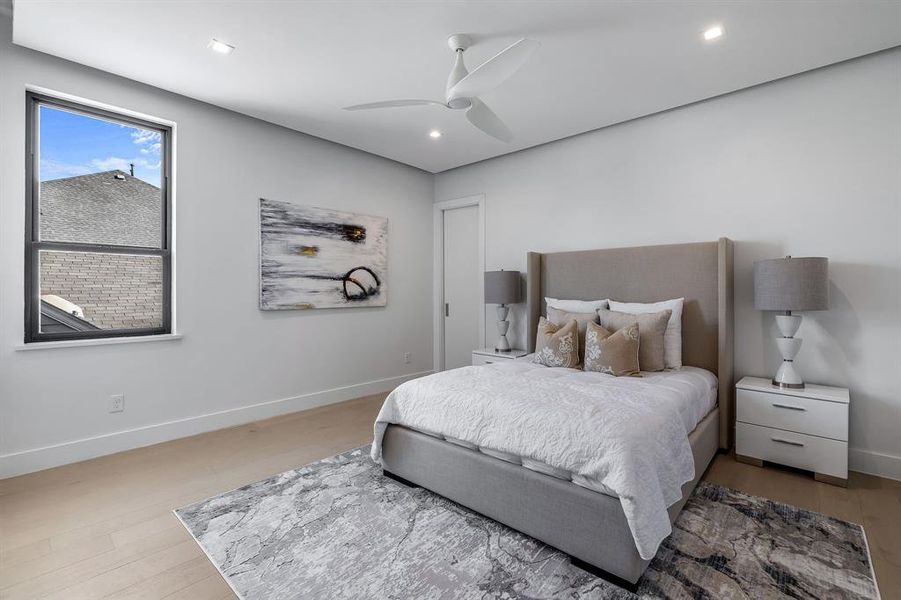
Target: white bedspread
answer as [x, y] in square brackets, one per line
[629, 434]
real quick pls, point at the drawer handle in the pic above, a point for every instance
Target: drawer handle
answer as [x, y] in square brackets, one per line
[789, 442]
[789, 407]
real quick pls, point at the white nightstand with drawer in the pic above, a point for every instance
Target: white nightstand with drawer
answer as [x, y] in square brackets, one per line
[486, 356]
[804, 428]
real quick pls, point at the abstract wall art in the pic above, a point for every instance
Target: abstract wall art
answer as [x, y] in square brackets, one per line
[321, 258]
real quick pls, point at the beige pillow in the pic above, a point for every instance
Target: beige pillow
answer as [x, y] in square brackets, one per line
[612, 353]
[651, 329]
[557, 345]
[672, 339]
[562, 317]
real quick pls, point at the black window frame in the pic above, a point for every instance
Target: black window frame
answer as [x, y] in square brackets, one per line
[34, 245]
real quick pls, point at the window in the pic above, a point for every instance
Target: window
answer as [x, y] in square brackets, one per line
[98, 224]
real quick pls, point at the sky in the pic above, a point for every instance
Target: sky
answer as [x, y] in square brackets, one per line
[72, 144]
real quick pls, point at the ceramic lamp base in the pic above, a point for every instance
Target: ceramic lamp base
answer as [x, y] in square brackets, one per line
[787, 377]
[789, 346]
[502, 344]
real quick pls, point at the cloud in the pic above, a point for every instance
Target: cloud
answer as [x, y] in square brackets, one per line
[54, 169]
[144, 136]
[151, 149]
[111, 163]
[149, 141]
[123, 164]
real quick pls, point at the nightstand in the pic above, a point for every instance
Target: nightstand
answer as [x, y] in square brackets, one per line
[804, 428]
[486, 356]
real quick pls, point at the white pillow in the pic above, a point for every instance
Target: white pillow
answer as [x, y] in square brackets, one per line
[576, 306]
[672, 339]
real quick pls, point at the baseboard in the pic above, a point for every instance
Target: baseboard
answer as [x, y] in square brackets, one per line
[38, 459]
[874, 463]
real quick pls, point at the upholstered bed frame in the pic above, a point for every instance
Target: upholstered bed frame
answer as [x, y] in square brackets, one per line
[590, 526]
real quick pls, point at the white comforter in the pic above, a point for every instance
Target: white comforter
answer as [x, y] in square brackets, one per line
[629, 434]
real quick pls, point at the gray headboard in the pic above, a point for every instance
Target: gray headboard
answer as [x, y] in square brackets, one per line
[701, 273]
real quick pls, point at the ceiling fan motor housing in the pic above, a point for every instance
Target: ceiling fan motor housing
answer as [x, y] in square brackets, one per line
[458, 43]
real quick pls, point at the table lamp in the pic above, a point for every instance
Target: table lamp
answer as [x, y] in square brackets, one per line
[502, 288]
[790, 284]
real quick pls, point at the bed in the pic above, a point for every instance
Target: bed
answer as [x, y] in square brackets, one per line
[574, 511]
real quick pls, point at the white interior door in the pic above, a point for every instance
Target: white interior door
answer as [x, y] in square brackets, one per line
[462, 274]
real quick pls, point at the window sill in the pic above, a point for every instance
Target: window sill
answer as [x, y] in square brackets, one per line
[169, 337]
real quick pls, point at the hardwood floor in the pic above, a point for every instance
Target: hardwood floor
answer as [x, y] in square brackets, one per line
[104, 528]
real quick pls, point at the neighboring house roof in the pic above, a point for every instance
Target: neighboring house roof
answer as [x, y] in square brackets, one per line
[55, 320]
[63, 304]
[111, 207]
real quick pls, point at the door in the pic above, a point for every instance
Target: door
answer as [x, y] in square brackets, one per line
[461, 286]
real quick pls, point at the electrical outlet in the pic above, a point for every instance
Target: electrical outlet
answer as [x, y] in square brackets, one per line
[117, 403]
[407, 357]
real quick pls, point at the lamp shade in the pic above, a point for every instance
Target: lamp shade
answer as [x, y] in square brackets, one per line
[501, 287]
[791, 284]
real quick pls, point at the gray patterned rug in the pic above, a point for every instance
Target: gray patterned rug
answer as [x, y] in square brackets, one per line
[338, 529]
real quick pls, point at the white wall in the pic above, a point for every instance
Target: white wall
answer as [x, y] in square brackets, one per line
[810, 165]
[232, 356]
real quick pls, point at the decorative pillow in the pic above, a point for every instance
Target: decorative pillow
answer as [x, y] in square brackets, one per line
[557, 345]
[612, 353]
[576, 306]
[651, 328]
[560, 317]
[672, 339]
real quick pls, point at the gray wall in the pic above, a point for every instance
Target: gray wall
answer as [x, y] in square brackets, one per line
[235, 363]
[810, 165]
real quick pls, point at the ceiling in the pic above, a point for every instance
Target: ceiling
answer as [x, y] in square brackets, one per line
[298, 63]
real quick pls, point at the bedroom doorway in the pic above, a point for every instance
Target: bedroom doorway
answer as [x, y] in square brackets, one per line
[460, 310]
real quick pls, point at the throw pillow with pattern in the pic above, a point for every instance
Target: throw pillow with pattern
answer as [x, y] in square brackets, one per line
[612, 353]
[557, 345]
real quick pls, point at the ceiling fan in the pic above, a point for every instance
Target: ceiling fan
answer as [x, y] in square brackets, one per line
[465, 87]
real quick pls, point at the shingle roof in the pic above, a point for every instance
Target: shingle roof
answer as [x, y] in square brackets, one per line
[60, 320]
[111, 207]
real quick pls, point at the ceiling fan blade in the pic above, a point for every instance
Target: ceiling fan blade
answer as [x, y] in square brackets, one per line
[484, 118]
[394, 104]
[494, 71]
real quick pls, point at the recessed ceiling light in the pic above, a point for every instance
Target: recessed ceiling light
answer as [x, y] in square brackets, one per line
[220, 46]
[434, 134]
[713, 33]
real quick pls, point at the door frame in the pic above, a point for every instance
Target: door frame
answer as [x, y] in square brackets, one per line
[438, 270]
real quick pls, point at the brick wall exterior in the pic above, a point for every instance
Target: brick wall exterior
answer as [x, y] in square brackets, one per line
[115, 291]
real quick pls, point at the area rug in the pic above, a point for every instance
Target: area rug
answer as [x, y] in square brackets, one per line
[339, 529]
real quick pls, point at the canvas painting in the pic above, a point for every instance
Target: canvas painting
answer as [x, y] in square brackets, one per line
[321, 258]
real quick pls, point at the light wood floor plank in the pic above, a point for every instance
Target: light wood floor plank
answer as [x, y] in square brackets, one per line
[888, 577]
[882, 519]
[11, 575]
[131, 534]
[10, 557]
[127, 575]
[105, 528]
[168, 582]
[89, 568]
[211, 588]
